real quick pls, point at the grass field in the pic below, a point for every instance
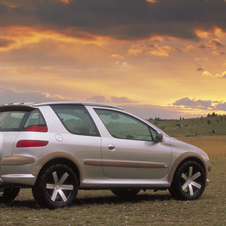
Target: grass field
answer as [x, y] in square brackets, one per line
[147, 208]
[206, 126]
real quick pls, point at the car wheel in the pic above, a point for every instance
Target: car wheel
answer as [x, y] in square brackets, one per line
[125, 192]
[56, 188]
[9, 194]
[189, 181]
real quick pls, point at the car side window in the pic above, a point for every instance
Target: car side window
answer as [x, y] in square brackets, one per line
[11, 120]
[124, 126]
[76, 119]
[35, 122]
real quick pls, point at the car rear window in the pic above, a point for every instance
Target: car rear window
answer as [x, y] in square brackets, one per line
[76, 119]
[11, 120]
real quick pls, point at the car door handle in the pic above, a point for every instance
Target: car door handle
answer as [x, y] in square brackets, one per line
[111, 147]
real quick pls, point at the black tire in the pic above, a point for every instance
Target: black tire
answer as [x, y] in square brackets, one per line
[189, 181]
[9, 194]
[125, 192]
[57, 187]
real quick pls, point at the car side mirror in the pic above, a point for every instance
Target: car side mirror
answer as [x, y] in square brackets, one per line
[159, 137]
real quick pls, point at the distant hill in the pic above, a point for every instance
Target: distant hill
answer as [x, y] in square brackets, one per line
[212, 125]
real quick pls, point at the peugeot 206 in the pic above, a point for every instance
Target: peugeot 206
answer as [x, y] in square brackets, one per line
[58, 148]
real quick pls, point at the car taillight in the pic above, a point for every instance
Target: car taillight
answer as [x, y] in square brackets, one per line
[31, 143]
[37, 129]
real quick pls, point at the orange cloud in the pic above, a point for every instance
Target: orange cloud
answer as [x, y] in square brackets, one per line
[213, 44]
[216, 43]
[202, 34]
[201, 59]
[222, 75]
[117, 56]
[162, 51]
[134, 52]
[217, 75]
[205, 34]
[18, 37]
[155, 38]
[215, 53]
[65, 1]
[193, 47]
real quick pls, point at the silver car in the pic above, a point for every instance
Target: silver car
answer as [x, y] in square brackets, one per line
[59, 147]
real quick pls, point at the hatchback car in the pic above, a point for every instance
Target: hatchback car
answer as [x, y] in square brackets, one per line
[59, 147]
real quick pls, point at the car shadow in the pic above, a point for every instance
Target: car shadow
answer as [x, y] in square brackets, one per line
[24, 204]
[120, 200]
[31, 204]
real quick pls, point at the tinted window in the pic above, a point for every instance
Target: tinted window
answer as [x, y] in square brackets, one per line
[11, 120]
[34, 121]
[76, 119]
[123, 126]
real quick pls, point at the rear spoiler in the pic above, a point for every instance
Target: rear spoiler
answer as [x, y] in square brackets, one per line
[16, 108]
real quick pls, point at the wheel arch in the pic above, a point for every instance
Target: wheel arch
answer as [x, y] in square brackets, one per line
[58, 157]
[183, 158]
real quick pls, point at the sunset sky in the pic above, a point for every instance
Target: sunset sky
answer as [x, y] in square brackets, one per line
[155, 58]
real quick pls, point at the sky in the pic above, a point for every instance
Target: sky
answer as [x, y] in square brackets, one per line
[154, 58]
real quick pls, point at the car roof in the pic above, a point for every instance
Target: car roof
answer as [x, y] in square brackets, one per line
[37, 104]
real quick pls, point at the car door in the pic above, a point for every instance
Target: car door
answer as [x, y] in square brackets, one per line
[130, 150]
[82, 138]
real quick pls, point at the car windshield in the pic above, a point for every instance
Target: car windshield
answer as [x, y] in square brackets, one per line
[10, 120]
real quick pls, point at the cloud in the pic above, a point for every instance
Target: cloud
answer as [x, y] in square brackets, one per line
[134, 52]
[162, 51]
[216, 42]
[123, 19]
[209, 105]
[97, 99]
[194, 103]
[114, 100]
[222, 75]
[217, 53]
[4, 43]
[117, 56]
[207, 74]
[217, 75]
[15, 96]
[65, 1]
[213, 44]
[155, 111]
[222, 106]
[201, 59]
[121, 100]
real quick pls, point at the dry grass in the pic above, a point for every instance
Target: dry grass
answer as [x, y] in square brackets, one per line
[148, 208]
